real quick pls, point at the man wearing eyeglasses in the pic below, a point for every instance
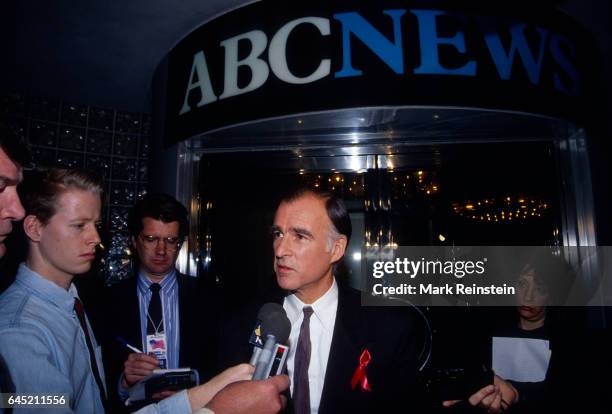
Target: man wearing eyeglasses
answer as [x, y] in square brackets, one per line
[159, 311]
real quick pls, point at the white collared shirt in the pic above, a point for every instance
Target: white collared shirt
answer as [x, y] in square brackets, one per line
[322, 324]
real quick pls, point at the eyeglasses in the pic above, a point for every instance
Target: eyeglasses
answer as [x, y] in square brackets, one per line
[170, 243]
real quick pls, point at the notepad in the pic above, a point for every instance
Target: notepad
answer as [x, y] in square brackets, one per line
[521, 359]
[163, 379]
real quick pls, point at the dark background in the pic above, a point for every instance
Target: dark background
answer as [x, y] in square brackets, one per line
[101, 55]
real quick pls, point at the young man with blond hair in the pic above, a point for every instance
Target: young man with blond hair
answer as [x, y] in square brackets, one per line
[45, 338]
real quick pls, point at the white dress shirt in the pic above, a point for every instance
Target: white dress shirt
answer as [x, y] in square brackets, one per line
[322, 324]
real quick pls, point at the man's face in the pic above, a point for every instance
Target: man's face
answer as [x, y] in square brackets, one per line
[302, 260]
[10, 206]
[68, 241]
[157, 246]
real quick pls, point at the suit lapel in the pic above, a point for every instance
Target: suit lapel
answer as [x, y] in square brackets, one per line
[350, 338]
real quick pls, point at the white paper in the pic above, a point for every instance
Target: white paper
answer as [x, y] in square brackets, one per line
[521, 359]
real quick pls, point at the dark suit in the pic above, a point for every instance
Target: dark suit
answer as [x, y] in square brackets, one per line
[196, 323]
[387, 333]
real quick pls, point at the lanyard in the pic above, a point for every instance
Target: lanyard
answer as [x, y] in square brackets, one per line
[156, 327]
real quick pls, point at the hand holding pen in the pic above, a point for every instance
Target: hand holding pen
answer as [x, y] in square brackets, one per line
[137, 367]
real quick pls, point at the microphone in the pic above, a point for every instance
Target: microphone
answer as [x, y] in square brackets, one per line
[264, 320]
[277, 330]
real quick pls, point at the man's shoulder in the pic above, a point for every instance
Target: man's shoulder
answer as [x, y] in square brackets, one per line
[124, 285]
[349, 295]
[187, 281]
[20, 310]
[192, 289]
[15, 303]
[394, 314]
[12, 303]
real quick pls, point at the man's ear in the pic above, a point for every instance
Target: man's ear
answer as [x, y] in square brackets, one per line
[338, 248]
[32, 227]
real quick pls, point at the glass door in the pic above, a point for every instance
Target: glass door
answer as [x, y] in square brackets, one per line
[468, 194]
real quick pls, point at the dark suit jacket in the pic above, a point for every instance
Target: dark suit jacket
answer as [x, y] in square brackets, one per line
[198, 329]
[386, 332]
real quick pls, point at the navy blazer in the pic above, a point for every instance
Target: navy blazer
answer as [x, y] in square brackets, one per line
[197, 324]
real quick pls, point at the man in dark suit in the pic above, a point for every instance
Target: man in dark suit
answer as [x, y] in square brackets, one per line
[160, 311]
[343, 357]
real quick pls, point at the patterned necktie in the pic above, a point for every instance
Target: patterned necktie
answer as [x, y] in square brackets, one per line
[155, 320]
[301, 389]
[78, 308]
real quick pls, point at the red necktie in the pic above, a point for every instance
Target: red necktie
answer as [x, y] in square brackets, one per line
[78, 308]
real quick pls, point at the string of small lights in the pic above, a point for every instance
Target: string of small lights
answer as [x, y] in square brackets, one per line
[504, 209]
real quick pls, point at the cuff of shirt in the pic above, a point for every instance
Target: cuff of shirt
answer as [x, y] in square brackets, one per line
[176, 404]
[122, 392]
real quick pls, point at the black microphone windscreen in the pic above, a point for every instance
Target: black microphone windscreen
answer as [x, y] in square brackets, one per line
[269, 308]
[278, 324]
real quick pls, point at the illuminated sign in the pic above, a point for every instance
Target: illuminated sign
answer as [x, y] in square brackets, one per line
[272, 59]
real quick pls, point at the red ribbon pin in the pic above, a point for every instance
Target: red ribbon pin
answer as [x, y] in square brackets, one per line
[360, 375]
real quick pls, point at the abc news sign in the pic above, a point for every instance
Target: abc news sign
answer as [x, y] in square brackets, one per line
[273, 59]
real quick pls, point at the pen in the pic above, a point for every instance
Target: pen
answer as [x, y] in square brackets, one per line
[133, 348]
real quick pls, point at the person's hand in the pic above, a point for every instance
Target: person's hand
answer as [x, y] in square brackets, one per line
[492, 398]
[137, 367]
[487, 398]
[251, 397]
[509, 394]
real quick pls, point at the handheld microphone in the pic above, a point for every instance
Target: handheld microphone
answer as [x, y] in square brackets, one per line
[277, 329]
[264, 320]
